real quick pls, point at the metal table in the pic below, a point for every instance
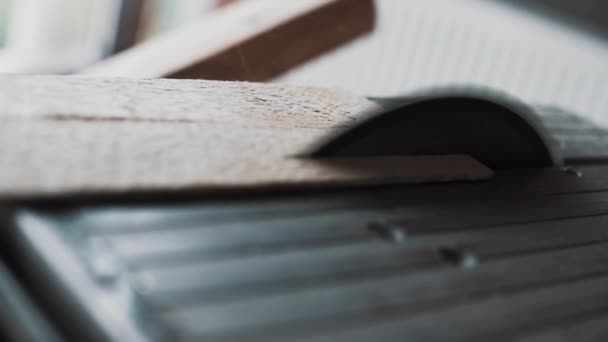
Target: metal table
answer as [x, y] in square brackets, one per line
[521, 257]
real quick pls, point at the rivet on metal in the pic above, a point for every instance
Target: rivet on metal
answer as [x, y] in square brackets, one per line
[572, 171]
[459, 256]
[389, 231]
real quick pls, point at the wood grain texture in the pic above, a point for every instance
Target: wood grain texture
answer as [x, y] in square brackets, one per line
[253, 40]
[64, 134]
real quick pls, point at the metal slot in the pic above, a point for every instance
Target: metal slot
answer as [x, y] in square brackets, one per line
[486, 319]
[230, 279]
[498, 241]
[590, 329]
[502, 212]
[151, 247]
[137, 219]
[240, 238]
[246, 276]
[405, 291]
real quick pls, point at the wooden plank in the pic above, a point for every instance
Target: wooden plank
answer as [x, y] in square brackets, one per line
[252, 40]
[91, 136]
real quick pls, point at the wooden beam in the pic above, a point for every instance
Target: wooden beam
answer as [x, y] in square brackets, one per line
[252, 40]
[80, 135]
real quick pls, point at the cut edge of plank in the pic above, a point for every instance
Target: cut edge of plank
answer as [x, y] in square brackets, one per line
[292, 174]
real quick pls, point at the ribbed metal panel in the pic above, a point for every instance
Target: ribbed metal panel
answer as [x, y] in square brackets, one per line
[522, 256]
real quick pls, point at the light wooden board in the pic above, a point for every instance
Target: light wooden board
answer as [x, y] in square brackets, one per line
[73, 135]
[253, 40]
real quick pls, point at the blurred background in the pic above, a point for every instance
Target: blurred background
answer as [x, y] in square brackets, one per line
[63, 36]
[549, 52]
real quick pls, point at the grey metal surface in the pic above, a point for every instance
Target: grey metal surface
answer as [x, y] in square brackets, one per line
[20, 318]
[485, 319]
[521, 256]
[577, 137]
[586, 329]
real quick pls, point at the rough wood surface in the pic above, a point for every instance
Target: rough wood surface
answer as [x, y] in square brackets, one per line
[252, 40]
[65, 134]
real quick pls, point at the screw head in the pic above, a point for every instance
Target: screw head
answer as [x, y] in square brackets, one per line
[389, 231]
[572, 171]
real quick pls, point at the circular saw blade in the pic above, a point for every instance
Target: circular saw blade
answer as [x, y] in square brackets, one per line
[499, 132]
